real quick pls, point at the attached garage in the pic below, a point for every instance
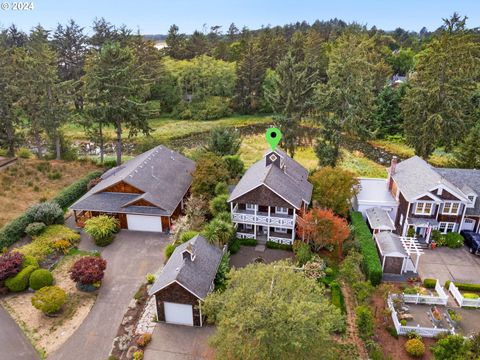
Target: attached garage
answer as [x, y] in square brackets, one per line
[144, 223]
[181, 314]
[186, 279]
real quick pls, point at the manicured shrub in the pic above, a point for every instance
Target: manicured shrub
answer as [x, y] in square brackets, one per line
[221, 188]
[470, 296]
[275, 245]
[102, 229]
[14, 230]
[187, 235]
[19, 282]
[364, 321]
[35, 228]
[150, 278]
[371, 264]
[49, 299]
[219, 204]
[454, 240]
[47, 212]
[10, 264]
[464, 287]
[40, 278]
[248, 242]
[61, 245]
[415, 347]
[234, 246]
[436, 236]
[143, 340]
[169, 249]
[73, 192]
[29, 261]
[88, 270]
[430, 283]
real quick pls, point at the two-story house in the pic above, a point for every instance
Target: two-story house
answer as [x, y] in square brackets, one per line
[266, 202]
[145, 193]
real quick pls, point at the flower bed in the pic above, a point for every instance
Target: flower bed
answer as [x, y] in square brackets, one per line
[467, 299]
[421, 297]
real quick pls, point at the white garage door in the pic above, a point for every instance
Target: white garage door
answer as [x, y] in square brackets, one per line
[144, 223]
[178, 313]
[468, 224]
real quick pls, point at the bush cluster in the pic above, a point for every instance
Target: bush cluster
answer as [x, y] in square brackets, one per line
[35, 228]
[19, 282]
[464, 287]
[337, 296]
[102, 229]
[169, 249]
[303, 254]
[88, 270]
[275, 245]
[10, 264]
[143, 340]
[364, 321]
[219, 204]
[210, 108]
[430, 283]
[48, 212]
[49, 299]
[371, 261]
[40, 278]
[415, 347]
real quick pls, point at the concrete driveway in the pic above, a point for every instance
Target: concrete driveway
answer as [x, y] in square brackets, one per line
[450, 264]
[129, 258]
[13, 342]
[177, 342]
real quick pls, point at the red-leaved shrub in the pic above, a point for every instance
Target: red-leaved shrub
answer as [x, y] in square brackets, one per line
[88, 270]
[10, 264]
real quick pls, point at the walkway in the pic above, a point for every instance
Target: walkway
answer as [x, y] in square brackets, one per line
[129, 258]
[13, 342]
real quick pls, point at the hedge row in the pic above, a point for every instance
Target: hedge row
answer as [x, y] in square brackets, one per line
[275, 245]
[464, 287]
[430, 283]
[15, 229]
[371, 261]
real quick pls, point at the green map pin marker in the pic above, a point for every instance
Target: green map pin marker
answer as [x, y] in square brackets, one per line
[273, 136]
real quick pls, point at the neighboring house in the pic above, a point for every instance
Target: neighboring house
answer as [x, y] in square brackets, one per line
[187, 278]
[146, 193]
[429, 198]
[397, 80]
[266, 202]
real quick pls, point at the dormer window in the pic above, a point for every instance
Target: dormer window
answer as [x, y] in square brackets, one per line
[451, 208]
[471, 200]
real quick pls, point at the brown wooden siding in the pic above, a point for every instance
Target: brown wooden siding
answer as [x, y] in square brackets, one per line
[123, 187]
[123, 221]
[432, 216]
[447, 196]
[450, 218]
[142, 202]
[262, 196]
[402, 210]
[175, 293]
[165, 224]
[393, 188]
[426, 198]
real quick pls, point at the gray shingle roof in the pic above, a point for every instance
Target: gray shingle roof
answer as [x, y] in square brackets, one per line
[291, 183]
[379, 219]
[415, 177]
[197, 275]
[164, 176]
[389, 243]
[468, 180]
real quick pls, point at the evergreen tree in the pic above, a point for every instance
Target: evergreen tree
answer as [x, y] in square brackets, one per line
[176, 43]
[388, 118]
[437, 107]
[328, 143]
[114, 81]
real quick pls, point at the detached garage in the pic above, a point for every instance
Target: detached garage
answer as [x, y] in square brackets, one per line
[185, 281]
[397, 254]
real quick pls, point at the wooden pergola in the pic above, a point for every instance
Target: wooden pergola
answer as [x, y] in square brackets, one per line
[411, 246]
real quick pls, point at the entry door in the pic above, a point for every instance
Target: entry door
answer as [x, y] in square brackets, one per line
[144, 223]
[181, 314]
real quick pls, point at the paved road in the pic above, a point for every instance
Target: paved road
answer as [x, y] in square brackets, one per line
[450, 264]
[177, 342]
[13, 343]
[131, 256]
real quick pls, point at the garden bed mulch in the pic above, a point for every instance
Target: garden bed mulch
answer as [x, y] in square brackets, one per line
[48, 333]
[392, 347]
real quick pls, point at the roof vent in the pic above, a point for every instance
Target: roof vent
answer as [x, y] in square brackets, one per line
[153, 175]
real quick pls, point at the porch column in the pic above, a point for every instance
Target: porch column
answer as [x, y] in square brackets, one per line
[231, 207]
[416, 262]
[383, 263]
[429, 232]
[293, 234]
[268, 226]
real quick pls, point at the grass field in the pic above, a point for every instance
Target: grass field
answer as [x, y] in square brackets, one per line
[168, 128]
[253, 148]
[29, 181]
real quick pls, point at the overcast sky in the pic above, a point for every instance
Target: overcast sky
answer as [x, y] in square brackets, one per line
[155, 17]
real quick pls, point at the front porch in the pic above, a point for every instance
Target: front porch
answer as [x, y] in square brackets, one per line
[265, 233]
[422, 229]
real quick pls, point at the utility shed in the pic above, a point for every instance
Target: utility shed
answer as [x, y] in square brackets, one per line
[392, 253]
[379, 220]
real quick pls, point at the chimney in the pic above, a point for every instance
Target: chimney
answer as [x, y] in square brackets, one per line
[393, 165]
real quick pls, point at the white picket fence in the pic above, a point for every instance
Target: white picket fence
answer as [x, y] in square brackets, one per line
[460, 299]
[441, 299]
[403, 330]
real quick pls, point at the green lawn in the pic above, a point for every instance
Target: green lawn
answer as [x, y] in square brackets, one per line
[168, 128]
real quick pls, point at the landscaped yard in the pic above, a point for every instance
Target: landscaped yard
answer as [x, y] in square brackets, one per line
[29, 181]
[48, 333]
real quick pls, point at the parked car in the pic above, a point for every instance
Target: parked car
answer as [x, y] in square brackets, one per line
[472, 240]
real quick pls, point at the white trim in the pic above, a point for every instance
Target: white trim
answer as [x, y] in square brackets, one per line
[449, 190]
[429, 194]
[447, 224]
[451, 203]
[250, 206]
[424, 203]
[280, 230]
[278, 208]
[471, 203]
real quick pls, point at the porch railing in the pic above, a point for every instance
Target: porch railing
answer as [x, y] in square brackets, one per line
[245, 235]
[280, 240]
[263, 220]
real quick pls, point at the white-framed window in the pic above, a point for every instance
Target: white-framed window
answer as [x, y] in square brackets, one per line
[423, 208]
[280, 230]
[446, 227]
[451, 208]
[471, 199]
[281, 210]
[248, 226]
[250, 207]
